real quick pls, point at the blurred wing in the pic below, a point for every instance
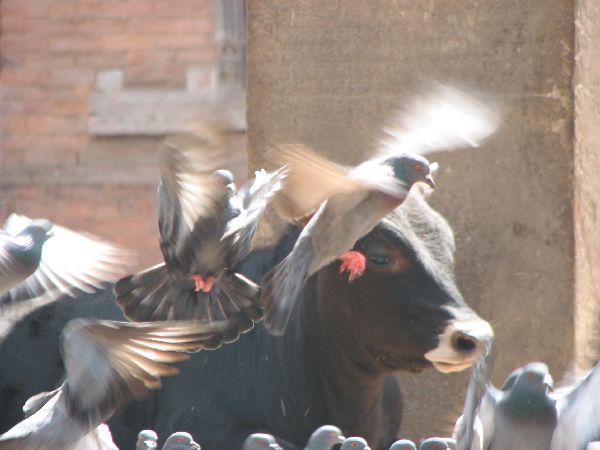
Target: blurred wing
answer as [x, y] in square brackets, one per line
[70, 261]
[443, 119]
[13, 270]
[192, 201]
[579, 414]
[255, 197]
[478, 384]
[311, 180]
[109, 363]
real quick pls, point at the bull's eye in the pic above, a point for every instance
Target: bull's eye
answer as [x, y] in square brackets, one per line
[379, 260]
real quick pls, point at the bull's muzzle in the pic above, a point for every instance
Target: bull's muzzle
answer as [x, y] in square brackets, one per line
[461, 342]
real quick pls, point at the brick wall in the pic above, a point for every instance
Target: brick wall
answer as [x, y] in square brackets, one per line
[51, 51]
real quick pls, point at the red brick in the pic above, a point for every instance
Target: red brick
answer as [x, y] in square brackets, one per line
[183, 8]
[128, 42]
[19, 44]
[100, 59]
[46, 27]
[194, 57]
[166, 26]
[10, 24]
[73, 44]
[56, 125]
[102, 26]
[191, 41]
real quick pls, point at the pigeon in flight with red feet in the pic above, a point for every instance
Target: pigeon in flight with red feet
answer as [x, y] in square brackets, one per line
[206, 227]
[350, 202]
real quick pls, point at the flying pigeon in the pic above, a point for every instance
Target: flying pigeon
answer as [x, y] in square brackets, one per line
[468, 430]
[181, 441]
[526, 414]
[107, 363]
[436, 443]
[403, 444]
[355, 443]
[147, 440]
[261, 441]
[350, 202]
[324, 438]
[206, 226]
[38, 258]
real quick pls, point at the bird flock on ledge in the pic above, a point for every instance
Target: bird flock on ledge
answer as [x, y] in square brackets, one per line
[195, 300]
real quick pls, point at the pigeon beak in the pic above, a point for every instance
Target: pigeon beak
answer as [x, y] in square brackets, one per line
[429, 181]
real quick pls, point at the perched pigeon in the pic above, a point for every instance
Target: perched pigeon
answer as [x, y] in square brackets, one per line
[107, 363]
[40, 258]
[206, 227]
[436, 443]
[351, 202]
[355, 443]
[324, 438]
[525, 414]
[181, 441]
[261, 441]
[147, 440]
[403, 444]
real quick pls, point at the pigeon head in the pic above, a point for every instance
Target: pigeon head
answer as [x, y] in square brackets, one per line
[403, 444]
[535, 377]
[40, 230]
[181, 441]
[227, 178]
[411, 168]
[434, 444]
[325, 437]
[355, 443]
[146, 440]
[260, 441]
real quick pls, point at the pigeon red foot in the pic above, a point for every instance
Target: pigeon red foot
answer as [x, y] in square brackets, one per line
[202, 284]
[354, 263]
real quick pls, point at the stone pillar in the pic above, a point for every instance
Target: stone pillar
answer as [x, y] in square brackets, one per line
[587, 182]
[523, 206]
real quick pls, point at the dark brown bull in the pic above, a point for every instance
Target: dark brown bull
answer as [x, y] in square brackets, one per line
[331, 366]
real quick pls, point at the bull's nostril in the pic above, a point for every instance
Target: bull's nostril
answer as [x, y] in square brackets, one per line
[464, 343]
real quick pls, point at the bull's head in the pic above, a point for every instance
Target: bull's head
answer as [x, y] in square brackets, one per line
[405, 312]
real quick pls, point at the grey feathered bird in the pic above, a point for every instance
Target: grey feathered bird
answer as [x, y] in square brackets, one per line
[524, 413]
[351, 202]
[324, 438]
[107, 364]
[435, 443]
[40, 258]
[261, 441]
[355, 443]
[181, 440]
[147, 440]
[403, 444]
[206, 227]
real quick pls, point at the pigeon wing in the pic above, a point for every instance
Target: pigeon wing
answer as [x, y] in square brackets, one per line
[70, 261]
[579, 414]
[443, 119]
[192, 201]
[311, 179]
[478, 384]
[109, 363]
[13, 270]
[254, 199]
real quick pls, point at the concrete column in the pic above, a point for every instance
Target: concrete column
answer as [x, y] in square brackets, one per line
[328, 73]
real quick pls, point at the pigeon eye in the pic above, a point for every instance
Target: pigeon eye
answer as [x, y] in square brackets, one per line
[332, 434]
[418, 168]
[179, 440]
[354, 444]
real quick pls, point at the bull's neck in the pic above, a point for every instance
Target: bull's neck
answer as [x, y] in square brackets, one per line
[351, 384]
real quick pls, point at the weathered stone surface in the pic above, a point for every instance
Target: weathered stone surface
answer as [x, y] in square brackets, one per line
[328, 74]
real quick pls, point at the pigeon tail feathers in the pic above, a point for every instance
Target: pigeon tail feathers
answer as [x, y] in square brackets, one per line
[281, 288]
[151, 295]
